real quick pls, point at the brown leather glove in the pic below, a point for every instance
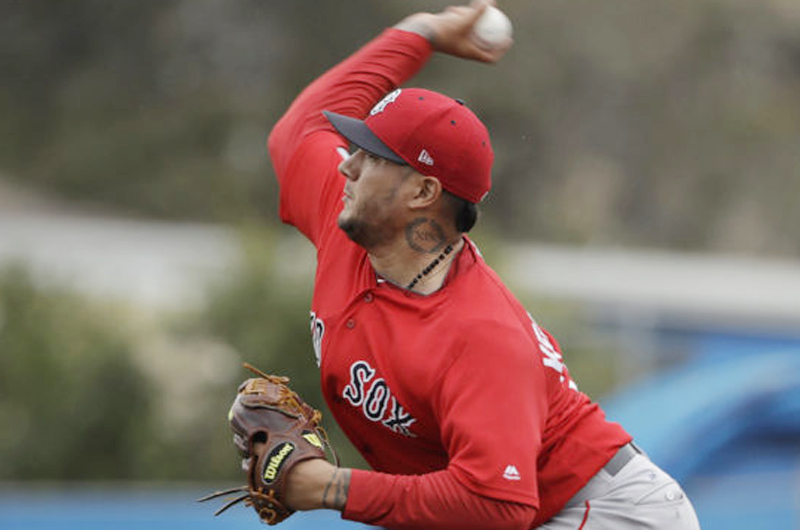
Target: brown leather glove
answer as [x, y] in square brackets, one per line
[274, 429]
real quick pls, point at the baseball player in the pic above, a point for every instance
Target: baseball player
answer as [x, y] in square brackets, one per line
[457, 398]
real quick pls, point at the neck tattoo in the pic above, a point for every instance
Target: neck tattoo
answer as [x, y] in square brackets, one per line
[432, 265]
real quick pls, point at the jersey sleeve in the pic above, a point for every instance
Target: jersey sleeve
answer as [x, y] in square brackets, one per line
[492, 408]
[304, 147]
[312, 196]
[434, 501]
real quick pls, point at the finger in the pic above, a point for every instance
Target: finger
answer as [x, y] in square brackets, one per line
[494, 54]
[501, 50]
[241, 445]
[478, 7]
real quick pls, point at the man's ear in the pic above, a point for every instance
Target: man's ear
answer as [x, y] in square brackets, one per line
[426, 191]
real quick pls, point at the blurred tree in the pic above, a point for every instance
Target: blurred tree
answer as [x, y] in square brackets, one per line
[262, 311]
[72, 404]
[673, 124]
[91, 392]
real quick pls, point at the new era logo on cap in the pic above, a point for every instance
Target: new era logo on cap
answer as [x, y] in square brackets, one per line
[425, 158]
[408, 124]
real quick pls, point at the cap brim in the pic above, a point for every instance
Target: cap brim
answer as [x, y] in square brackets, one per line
[357, 132]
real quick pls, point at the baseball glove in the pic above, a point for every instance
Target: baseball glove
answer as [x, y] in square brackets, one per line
[273, 429]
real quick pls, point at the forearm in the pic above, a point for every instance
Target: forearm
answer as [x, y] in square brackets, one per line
[317, 484]
[431, 501]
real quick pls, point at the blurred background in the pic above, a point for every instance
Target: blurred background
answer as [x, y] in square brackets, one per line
[644, 209]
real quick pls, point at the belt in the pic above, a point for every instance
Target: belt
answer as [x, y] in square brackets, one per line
[623, 456]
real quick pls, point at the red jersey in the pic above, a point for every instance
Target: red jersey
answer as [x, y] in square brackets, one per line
[462, 381]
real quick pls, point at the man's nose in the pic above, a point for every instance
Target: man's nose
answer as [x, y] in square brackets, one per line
[348, 167]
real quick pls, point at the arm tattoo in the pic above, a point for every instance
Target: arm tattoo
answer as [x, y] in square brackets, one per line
[425, 235]
[335, 494]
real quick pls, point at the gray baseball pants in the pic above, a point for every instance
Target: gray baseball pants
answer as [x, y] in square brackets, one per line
[637, 495]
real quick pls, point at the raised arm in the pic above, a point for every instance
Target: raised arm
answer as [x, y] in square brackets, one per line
[351, 88]
[355, 85]
[303, 145]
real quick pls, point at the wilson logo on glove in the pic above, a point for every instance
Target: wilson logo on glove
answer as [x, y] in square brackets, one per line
[275, 461]
[273, 430]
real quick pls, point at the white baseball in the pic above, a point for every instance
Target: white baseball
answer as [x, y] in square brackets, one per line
[492, 29]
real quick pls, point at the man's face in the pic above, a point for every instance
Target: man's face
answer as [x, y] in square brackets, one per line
[372, 213]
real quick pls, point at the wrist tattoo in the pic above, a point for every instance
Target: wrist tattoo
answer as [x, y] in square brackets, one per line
[425, 235]
[335, 495]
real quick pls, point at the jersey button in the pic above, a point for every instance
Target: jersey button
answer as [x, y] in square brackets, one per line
[350, 323]
[369, 297]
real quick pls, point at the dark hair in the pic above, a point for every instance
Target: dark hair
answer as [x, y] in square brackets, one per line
[465, 213]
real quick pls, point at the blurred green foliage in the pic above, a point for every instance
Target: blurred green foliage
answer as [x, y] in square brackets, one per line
[91, 391]
[672, 124]
[262, 311]
[72, 403]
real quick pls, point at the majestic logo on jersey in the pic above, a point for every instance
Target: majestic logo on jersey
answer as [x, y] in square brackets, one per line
[552, 359]
[390, 97]
[317, 332]
[511, 473]
[373, 396]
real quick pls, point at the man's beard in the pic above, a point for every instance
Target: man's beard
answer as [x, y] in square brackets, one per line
[362, 232]
[358, 231]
